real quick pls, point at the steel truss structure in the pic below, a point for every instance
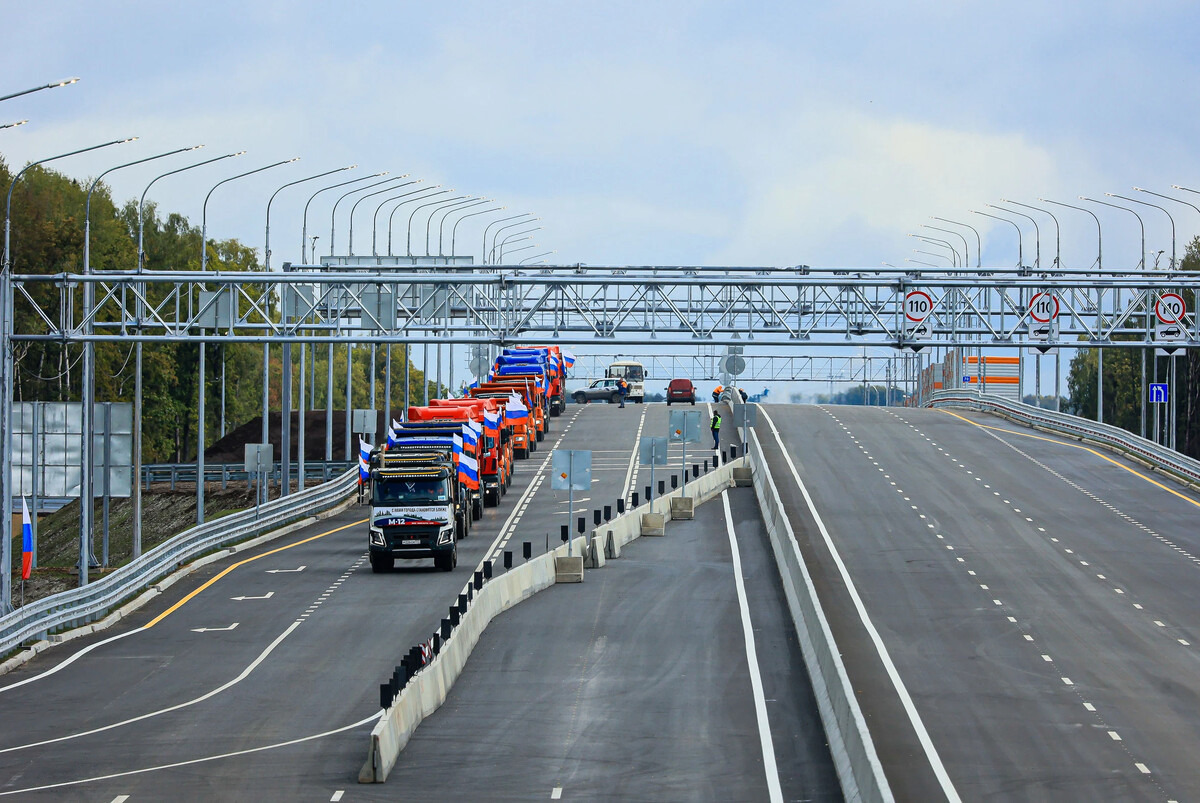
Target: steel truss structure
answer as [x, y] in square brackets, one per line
[760, 368]
[610, 306]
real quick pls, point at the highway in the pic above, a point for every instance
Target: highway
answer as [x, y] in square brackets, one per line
[1016, 614]
[1035, 602]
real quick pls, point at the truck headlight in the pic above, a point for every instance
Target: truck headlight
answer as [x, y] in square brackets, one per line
[446, 536]
[377, 538]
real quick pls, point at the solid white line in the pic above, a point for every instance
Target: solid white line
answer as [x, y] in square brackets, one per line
[189, 762]
[760, 705]
[70, 660]
[935, 761]
[244, 674]
[627, 489]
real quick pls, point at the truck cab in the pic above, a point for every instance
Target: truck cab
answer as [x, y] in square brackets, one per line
[414, 513]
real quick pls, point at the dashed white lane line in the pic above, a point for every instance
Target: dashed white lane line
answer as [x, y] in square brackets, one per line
[337, 796]
[556, 793]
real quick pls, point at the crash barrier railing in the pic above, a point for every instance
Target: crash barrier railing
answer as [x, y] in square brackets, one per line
[80, 606]
[850, 744]
[235, 472]
[422, 681]
[1161, 458]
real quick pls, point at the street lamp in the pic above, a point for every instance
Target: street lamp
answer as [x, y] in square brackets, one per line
[1156, 206]
[966, 251]
[469, 200]
[354, 208]
[537, 256]
[1057, 231]
[484, 255]
[1037, 234]
[13, 125]
[1141, 224]
[304, 223]
[919, 262]
[1099, 263]
[385, 202]
[1020, 246]
[496, 236]
[440, 202]
[452, 211]
[978, 240]
[267, 244]
[396, 208]
[141, 254]
[347, 194]
[522, 248]
[932, 240]
[454, 229]
[204, 208]
[952, 262]
[512, 238]
[54, 85]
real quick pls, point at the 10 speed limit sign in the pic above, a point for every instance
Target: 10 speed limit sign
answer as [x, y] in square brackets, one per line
[917, 308]
[1169, 311]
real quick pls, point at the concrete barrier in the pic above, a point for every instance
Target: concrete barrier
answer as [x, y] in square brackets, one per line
[428, 688]
[850, 742]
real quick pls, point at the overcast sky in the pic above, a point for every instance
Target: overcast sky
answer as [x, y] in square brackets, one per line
[641, 132]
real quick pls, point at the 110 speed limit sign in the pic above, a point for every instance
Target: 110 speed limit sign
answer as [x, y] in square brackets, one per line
[1043, 317]
[1169, 312]
[917, 307]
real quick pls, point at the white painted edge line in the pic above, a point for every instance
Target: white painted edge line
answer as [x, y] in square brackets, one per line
[760, 704]
[149, 715]
[910, 708]
[633, 457]
[192, 761]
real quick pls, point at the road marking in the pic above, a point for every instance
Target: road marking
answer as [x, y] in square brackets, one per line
[337, 796]
[1116, 737]
[120, 799]
[241, 563]
[556, 793]
[760, 707]
[193, 761]
[931, 754]
[1067, 681]
[286, 571]
[214, 629]
[267, 595]
[1089, 707]
[230, 684]
[1142, 768]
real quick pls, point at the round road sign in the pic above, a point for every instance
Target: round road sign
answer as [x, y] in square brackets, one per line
[917, 305]
[1170, 308]
[1043, 307]
[479, 366]
[734, 364]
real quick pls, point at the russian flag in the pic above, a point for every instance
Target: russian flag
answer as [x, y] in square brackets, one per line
[27, 538]
[468, 471]
[516, 409]
[469, 436]
[458, 444]
[491, 424]
[568, 358]
[364, 459]
[393, 433]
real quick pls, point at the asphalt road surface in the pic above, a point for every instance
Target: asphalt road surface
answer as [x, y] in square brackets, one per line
[636, 685]
[1036, 602]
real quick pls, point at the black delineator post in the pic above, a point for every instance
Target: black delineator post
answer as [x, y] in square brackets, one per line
[470, 592]
[674, 481]
[635, 498]
[706, 465]
[508, 559]
[607, 513]
[650, 491]
[455, 616]
[582, 525]
[385, 695]
[478, 580]
[565, 533]
[695, 471]
[527, 549]
[447, 625]
[487, 570]
[462, 603]
[662, 487]
[436, 643]
[733, 452]
[597, 515]
[621, 505]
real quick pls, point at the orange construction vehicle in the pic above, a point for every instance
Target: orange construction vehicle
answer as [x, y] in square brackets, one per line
[496, 455]
[526, 432]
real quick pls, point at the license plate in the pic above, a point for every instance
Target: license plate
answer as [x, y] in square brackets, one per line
[411, 542]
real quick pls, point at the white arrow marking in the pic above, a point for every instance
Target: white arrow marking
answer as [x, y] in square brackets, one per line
[285, 571]
[213, 629]
[267, 595]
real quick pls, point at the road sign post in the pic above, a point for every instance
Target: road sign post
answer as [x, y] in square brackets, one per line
[572, 471]
[652, 452]
[684, 429]
[745, 416]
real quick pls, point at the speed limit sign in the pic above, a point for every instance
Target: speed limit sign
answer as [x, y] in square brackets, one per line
[1043, 317]
[917, 306]
[1169, 311]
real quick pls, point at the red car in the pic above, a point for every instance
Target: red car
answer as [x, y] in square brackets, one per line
[681, 390]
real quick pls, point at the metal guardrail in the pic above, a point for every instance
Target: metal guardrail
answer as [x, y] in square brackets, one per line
[82, 605]
[1166, 460]
[236, 472]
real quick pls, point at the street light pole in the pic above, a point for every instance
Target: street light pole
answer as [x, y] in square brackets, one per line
[1057, 231]
[490, 254]
[344, 196]
[978, 239]
[966, 260]
[469, 200]
[385, 202]
[454, 228]
[484, 255]
[452, 211]
[267, 244]
[1156, 206]
[1020, 246]
[537, 256]
[953, 264]
[56, 84]
[1037, 234]
[440, 202]
[510, 237]
[1141, 224]
[354, 208]
[141, 253]
[204, 208]
[933, 240]
[304, 239]
[6, 380]
[396, 208]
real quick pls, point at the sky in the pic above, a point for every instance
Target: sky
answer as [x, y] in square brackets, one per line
[704, 133]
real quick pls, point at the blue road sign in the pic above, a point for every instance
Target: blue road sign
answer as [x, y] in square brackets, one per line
[1158, 393]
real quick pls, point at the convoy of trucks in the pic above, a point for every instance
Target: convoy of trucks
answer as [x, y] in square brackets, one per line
[449, 460]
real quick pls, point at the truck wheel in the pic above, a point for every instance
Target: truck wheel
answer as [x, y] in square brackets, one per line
[379, 563]
[541, 436]
[447, 560]
[462, 527]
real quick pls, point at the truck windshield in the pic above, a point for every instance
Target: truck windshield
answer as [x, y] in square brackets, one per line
[400, 491]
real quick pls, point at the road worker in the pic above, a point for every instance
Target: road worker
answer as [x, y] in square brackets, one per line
[715, 425]
[717, 393]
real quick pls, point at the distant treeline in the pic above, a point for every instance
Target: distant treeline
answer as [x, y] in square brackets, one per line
[48, 237]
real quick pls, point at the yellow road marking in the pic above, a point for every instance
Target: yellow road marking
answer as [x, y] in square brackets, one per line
[1155, 483]
[228, 569]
